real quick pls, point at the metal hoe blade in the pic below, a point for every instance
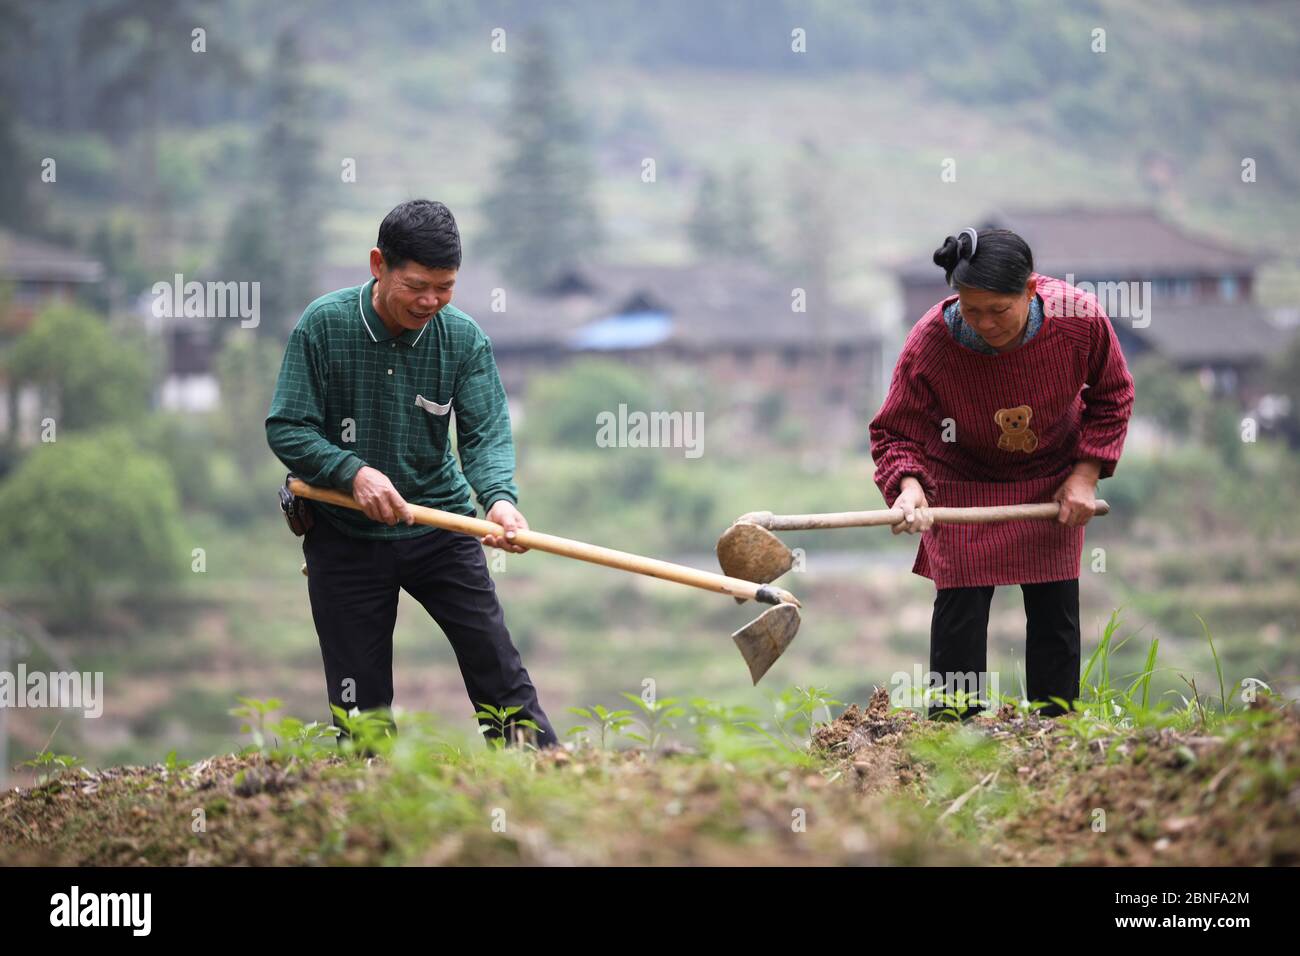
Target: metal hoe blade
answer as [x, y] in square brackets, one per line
[752, 553]
[765, 638]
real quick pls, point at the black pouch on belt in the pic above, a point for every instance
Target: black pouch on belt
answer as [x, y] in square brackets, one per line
[297, 511]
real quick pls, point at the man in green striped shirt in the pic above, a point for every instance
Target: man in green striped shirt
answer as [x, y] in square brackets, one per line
[374, 378]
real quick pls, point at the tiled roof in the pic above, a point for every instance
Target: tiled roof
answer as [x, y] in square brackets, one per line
[1212, 333]
[707, 305]
[1119, 243]
[33, 260]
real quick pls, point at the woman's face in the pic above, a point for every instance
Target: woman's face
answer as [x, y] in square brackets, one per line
[997, 317]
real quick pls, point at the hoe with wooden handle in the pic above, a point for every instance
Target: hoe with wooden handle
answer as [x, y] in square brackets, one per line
[761, 641]
[749, 549]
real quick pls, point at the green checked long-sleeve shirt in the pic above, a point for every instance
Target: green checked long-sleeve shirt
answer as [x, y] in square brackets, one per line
[350, 394]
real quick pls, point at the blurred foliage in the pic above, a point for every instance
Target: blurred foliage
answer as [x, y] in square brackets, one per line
[239, 496]
[89, 510]
[1195, 490]
[1284, 379]
[1180, 405]
[189, 445]
[655, 501]
[115, 244]
[273, 236]
[540, 215]
[247, 368]
[562, 405]
[727, 219]
[210, 476]
[220, 459]
[288, 151]
[145, 64]
[708, 224]
[96, 375]
[249, 252]
[1172, 399]
[87, 158]
[109, 74]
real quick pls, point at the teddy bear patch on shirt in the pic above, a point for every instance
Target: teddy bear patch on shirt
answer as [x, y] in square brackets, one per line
[1016, 434]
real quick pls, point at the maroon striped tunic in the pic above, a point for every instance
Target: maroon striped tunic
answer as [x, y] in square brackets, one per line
[977, 429]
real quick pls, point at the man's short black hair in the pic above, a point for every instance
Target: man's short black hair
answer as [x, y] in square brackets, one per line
[422, 231]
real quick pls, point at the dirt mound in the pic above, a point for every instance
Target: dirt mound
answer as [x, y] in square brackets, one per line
[871, 740]
[856, 728]
[1160, 796]
[228, 809]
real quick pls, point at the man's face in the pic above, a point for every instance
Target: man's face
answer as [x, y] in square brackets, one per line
[410, 294]
[996, 316]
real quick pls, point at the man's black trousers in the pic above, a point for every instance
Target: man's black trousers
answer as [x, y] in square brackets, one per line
[959, 640]
[354, 585]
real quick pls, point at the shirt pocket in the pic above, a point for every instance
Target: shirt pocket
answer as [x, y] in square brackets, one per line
[433, 408]
[437, 418]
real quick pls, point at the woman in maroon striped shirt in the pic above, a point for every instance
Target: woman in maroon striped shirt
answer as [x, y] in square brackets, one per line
[1012, 390]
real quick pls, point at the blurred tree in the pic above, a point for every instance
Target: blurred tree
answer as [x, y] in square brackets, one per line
[540, 216]
[814, 228]
[1284, 378]
[1222, 430]
[89, 375]
[250, 253]
[89, 510]
[811, 243]
[189, 444]
[144, 49]
[274, 237]
[246, 368]
[290, 146]
[744, 215]
[708, 224]
[17, 171]
[1172, 399]
[561, 407]
[17, 168]
[726, 221]
[114, 244]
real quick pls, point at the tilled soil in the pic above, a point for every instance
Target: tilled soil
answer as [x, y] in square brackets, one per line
[1048, 791]
[1144, 797]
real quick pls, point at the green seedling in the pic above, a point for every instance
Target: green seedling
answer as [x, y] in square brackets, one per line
[253, 713]
[51, 766]
[796, 714]
[367, 732]
[615, 721]
[500, 720]
[655, 716]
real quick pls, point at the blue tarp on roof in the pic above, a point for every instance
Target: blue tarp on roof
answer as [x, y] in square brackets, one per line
[632, 330]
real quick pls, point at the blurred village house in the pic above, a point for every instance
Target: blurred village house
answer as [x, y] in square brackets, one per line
[33, 274]
[732, 323]
[1202, 316]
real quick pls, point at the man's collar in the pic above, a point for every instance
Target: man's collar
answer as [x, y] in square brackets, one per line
[374, 325]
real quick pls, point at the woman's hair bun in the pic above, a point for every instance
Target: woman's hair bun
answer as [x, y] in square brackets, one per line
[948, 255]
[953, 251]
[1004, 265]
